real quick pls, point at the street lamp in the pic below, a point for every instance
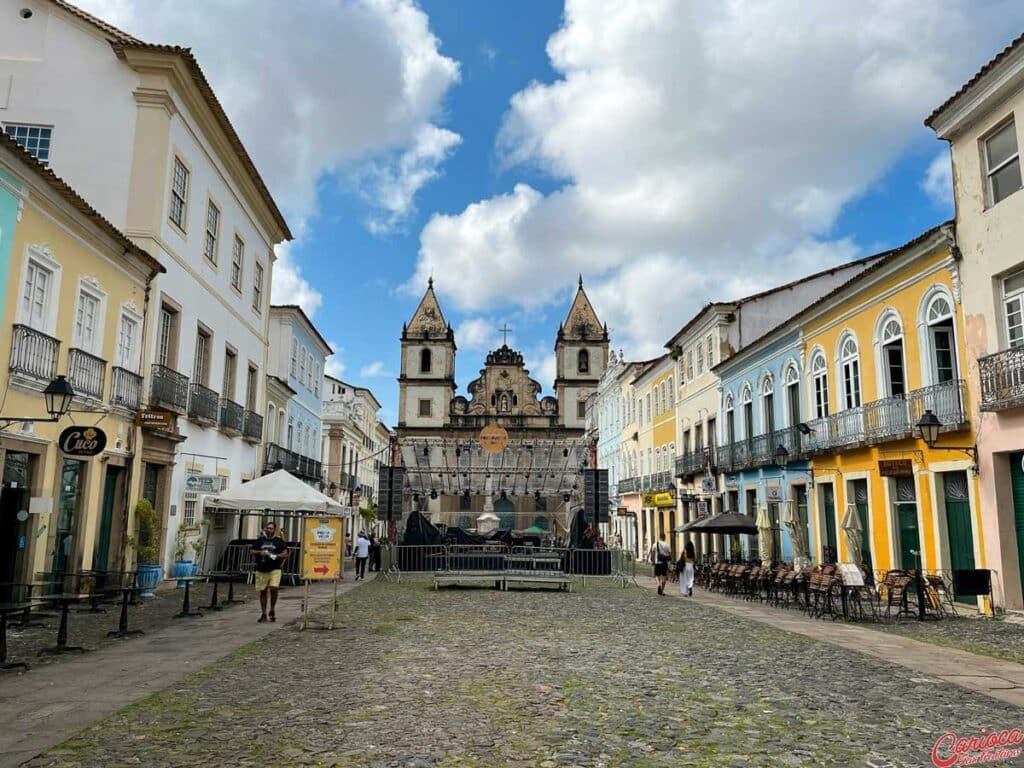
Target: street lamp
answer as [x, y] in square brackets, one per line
[57, 395]
[781, 456]
[929, 427]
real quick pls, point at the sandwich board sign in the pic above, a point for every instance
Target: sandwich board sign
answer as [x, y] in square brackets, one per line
[321, 559]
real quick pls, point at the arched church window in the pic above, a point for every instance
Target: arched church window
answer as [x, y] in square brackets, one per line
[583, 361]
[425, 361]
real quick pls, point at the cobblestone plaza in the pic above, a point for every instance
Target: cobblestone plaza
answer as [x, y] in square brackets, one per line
[600, 677]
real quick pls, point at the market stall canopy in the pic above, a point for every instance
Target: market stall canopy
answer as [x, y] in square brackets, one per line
[727, 522]
[279, 491]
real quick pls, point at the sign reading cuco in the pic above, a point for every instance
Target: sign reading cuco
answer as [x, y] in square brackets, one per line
[82, 441]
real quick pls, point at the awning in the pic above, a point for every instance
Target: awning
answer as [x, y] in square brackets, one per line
[727, 522]
[279, 491]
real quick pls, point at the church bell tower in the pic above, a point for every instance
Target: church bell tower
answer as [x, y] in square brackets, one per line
[581, 357]
[426, 384]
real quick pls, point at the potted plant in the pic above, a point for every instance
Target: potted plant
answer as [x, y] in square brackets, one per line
[197, 548]
[182, 565]
[146, 548]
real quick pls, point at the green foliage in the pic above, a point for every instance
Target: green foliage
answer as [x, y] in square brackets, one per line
[368, 514]
[146, 546]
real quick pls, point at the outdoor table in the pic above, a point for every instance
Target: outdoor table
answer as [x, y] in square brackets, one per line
[231, 599]
[24, 598]
[186, 607]
[5, 609]
[64, 599]
[216, 577]
[122, 625]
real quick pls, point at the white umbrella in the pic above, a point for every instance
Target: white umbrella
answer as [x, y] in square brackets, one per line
[798, 535]
[853, 532]
[764, 536]
[279, 491]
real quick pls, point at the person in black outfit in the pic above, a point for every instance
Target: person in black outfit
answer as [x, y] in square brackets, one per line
[374, 553]
[269, 554]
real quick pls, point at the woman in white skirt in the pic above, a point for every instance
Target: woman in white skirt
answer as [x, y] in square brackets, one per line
[685, 568]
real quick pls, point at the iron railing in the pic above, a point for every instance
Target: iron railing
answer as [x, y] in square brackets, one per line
[629, 485]
[692, 463]
[301, 466]
[886, 419]
[1002, 379]
[945, 400]
[33, 354]
[232, 416]
[125, 388]
[203, 404]
[252, 426]
[86, 373]
[168, 388]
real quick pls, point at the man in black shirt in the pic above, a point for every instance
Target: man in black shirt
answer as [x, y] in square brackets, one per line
[269, 553]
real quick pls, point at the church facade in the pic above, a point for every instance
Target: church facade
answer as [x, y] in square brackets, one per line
[449, 474]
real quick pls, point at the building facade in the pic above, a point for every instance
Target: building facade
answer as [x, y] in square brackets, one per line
[609, 413]
[656, 446]
[984, 125]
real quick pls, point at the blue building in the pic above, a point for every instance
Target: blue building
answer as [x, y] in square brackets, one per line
[762, 408]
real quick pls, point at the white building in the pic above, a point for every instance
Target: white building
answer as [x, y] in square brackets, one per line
[136, 129]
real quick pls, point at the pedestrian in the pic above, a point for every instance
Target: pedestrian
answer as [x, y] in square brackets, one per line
[685, 568]
[374, 553]
[362, 552]
[660, 555]
[270, 552]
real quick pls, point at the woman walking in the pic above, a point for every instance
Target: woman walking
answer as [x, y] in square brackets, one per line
[661, 554]
[685, 568]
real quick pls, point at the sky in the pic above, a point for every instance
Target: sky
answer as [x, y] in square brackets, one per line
[671, 152]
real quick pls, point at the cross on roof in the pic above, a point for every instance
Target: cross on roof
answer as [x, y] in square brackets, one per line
[505, 330]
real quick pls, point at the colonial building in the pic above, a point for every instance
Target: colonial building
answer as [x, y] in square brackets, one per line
[655, 440]
[74, 306]
[608, 417]
[136, 128]
[436, 424]
[984, 124]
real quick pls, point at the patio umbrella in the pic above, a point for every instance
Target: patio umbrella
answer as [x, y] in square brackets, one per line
[726, 522]
[853, 532]
[798, 535]
[764, 536]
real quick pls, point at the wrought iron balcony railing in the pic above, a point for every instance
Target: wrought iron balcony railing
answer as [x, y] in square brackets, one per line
[33, 354]
[86, 373]
[696, 462]
[945, 400]
[168, 388]
[1002, 380]
[629, 485]
[203, 405]
[301, 466]
[232, 416]
[252, 427]
[125, 388]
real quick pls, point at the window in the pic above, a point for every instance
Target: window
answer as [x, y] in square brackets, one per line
[793, 395]
[748, 412]
[819, 378]
[425, 360]
[698, 438]
[257, 287]
[237, 259]
[583, 361]
[293, 365]
[664, 397]
[730, 421]
[849, 360]
[212, 232]
[711, 352]
[895, 381]
[302, 365]
[34, 138]
[648, 409]
[712, 434]
[671, 394]
[424, 408]
[581, 409]
[87, 319]
[939, 317]
[201, 364]
[251, 378]
[689, 365]
[35, 297]
[657, 401]
[167, 340]
[179, 193]
[682, 372]
[230, 367]
[127, 343]
[700, 359]
[1013, 303]
[768, 405]
[1002, 163]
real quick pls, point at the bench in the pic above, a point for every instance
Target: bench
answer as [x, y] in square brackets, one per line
[447, 578]
[563, 580]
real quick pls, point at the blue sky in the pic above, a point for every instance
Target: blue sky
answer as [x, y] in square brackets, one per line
[673, 152]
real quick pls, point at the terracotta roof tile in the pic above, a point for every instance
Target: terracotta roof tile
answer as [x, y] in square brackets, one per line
[974, 80]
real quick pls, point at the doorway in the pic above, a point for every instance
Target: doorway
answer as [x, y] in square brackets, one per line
[958, 524]
[830, 548]
[859, 494]
[111, 486]
[14, 497]
[1017, 489]
[905, 507]
[68, 505]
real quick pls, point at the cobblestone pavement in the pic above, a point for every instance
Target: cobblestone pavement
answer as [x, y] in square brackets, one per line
[999, 638]
[89, 630]
[599, 677]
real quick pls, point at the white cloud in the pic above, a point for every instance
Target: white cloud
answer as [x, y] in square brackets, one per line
[541, 363]
[374, 370]
[477, 333]
[938, 181]
[288, 286]
[704, 150]
[334, 365]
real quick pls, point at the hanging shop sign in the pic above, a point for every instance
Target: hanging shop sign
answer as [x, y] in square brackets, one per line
[659, 500]
[773, 493]
[896, 468]
[203, 483]
[493, 438]
[708, 485]
[82, 441]
[154, 420]
[702, 509]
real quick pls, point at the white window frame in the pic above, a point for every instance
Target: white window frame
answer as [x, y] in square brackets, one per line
[237, 262]
[133, 362]
[42, 258]
[746, 398]
[28, 146]
[991, 171]
[767, 390]
[885, 336]
[729, 411]
[817, 392]
[257, 287]
[791, 378]
[95, 345]
[1017, 295]
[926, 323]
[848, 368]
[174, 196]
[210, 251]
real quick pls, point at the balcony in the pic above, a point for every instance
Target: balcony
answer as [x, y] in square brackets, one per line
[300, 466]
[945, 400]
[629, 485]
[33, 355]
[168, 389]
[659, 481]
[125, 389]
[690, 464]
[232, 417]
[252, 427]
[86, 373]
[1002, 380]
[203, 405]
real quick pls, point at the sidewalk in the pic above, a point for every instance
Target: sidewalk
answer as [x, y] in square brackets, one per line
[999, 679]
[49, 704]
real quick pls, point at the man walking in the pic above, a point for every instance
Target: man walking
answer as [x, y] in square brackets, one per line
[269, 552]
[362, 550]
[374, 553]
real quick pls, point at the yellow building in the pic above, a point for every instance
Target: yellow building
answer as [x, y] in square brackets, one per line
[878, 353]
[75, 305]
[656, 425]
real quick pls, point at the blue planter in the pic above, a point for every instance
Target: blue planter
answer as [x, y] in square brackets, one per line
[149, 577]
[195, 569]
[182, 568]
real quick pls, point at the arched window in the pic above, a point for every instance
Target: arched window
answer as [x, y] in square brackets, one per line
[819, 384]
[425, 361]
[747, 407]
[664, 397]
[890, 340]
[583, 361]
[730, 420]
[271, 410]
[671, 394]
[941, 343]
[792, 384]
[291, 433]
[849, 363]
[768, 405]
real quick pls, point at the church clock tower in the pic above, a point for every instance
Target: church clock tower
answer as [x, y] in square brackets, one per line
[581, 357]
[426, 385]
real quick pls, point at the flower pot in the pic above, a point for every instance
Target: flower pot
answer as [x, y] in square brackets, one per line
[182, 568]
[149, 577]
[194, 571]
